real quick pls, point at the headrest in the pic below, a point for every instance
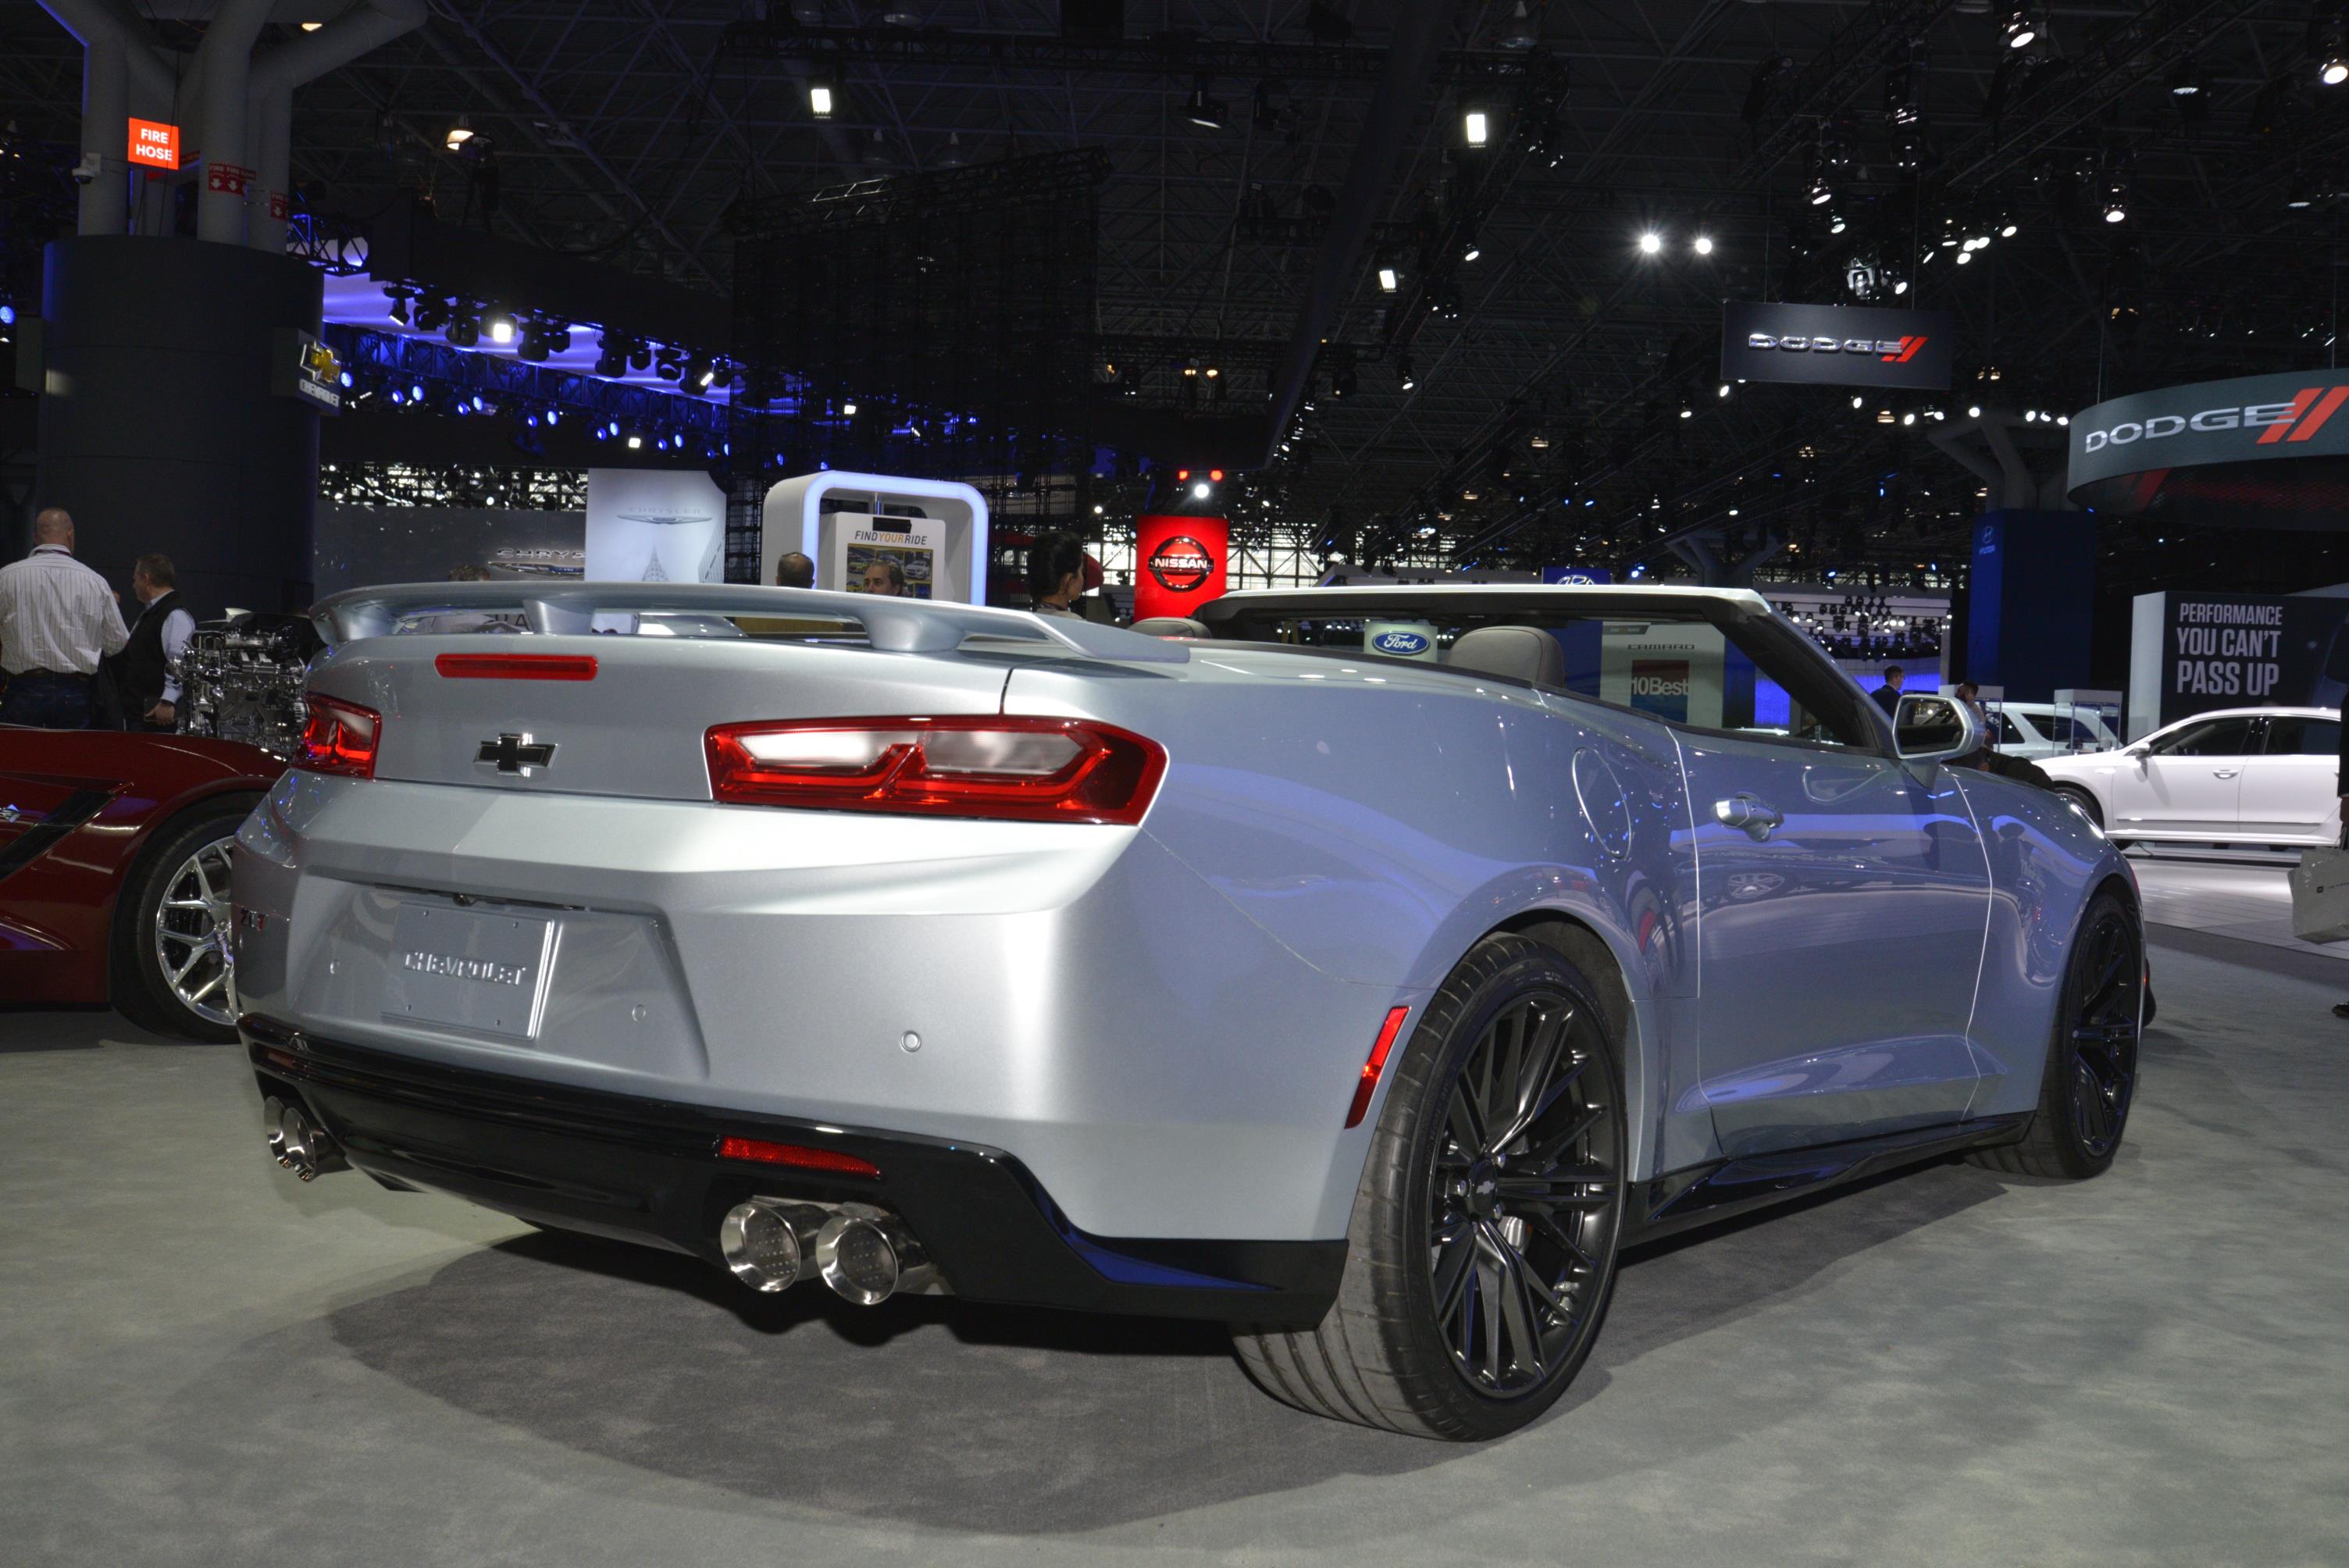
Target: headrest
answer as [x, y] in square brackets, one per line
[1520, 652]
[1170, 626]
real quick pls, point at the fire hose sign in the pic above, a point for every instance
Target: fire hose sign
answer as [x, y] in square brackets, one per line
[154, 145]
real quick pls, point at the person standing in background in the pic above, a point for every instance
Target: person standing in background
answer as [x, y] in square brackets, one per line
[146, 671]
[794, 569]
[885, 578]
[57, 619]
[1056, 575]
[1888, 695]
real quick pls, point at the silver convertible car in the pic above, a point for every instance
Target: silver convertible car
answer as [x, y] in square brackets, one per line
[1363, 968]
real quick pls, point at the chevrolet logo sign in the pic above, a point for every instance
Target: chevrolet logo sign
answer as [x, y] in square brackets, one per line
[516, 753]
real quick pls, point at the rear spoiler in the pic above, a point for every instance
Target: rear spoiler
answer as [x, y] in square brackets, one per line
[892, 625]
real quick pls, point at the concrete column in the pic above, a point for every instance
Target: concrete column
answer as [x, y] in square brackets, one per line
[225, 60]
[104, 133]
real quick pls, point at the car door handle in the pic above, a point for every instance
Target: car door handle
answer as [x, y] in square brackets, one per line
[1749, 814]
[2224, 772]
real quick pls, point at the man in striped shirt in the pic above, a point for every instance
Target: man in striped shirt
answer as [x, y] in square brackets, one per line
[57, 619]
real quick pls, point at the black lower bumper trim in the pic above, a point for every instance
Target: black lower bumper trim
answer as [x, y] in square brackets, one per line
[648, 1170]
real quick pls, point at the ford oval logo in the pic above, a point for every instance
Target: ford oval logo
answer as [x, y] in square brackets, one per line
[1402, 643]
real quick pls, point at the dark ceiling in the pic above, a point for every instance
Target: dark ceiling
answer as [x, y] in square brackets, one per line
[1553, 368]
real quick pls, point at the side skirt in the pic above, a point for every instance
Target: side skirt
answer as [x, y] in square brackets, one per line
[1703, 1194]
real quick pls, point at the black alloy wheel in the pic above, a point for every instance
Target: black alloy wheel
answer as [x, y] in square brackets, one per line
[1524, 1189]
[1481, 1255]
[2104, 1032]
[2091, 1075]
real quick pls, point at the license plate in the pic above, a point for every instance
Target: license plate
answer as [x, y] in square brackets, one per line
[469, 969]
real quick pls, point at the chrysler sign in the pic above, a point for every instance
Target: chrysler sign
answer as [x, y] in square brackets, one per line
[2251, 417]
[1836, 345]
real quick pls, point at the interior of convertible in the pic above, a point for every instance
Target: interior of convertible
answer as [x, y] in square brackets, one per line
[1673, 662]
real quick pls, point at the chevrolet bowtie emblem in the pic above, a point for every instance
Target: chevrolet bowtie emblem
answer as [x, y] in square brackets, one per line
[516, 753]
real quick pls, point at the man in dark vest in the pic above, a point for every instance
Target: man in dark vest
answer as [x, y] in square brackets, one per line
[147, 672]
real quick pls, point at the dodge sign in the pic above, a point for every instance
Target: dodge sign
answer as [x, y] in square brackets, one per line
[2249, 418]
[1836, 345]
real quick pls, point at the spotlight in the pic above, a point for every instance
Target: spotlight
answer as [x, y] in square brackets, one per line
[500, 326]
[1389, 281]
[1650, 243]
[1964, 256]
[1836, 222]
[1201, 490]
[1822, 192]
[1520, 33]
[1476, 128]
[848, 409]
[459, 134]
[1202, 110]
[1470, 251]
[2022, 29]
[1404, 374]
[634, 442]
[611, 357]
[1974, 411]
[819, 90]
[464, 327]
[2115, 201]
[1724, 390]
[2335, 71]
[2328, 40]
[2185, 81]
[1702, 245]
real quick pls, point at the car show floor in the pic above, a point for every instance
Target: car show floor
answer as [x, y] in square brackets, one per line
[204, 1361]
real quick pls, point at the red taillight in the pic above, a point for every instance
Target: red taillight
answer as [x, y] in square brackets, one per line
[338, 737]
[1014, 770]
[797, 1155]
[516, 666]
[1376, 1065]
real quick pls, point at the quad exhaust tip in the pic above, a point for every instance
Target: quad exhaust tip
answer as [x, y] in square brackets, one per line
[298, 1142]
[867, 1256]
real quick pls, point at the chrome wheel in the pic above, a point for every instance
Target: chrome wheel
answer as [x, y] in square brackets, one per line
[1522, 1197]
[191, 934]
[2104, 1032]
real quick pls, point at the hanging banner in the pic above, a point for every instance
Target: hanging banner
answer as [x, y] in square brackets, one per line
[1181, 564]
[1837, 345]
[2251, 417]
[654, 525]
[2193, 653]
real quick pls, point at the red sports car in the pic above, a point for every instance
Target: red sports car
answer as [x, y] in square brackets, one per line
[114, 855]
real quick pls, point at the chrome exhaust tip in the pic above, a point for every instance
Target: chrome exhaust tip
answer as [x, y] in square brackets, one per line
[300, 1144]
[868, 1260]
[770, 1243]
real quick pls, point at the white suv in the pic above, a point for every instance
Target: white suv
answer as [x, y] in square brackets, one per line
[2035, 729]
[2243, 774]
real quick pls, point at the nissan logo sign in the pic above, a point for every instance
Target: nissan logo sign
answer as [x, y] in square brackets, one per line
[1181, 565]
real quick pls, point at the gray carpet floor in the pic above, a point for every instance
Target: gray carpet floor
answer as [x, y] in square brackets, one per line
[202, 1361]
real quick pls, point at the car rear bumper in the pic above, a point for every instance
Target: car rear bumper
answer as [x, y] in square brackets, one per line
[648, 1170]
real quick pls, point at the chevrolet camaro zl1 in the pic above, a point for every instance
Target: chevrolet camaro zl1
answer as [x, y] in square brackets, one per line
[1370, 1005]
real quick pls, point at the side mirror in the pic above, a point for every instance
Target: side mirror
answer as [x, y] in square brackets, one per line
[1935, 729]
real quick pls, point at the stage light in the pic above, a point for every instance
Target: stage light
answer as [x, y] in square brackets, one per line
[1404, 374]
[459, 134]
[1964, 256]
[1650, 243]
[2328, 40]
[2022, 29]
[1476, 128]
[2184, 80]
[2115, 202]
[1822, 192]
[635, 442]
[464, 327]
[1724, 390]
[1200, 110]
[2335, 71]
[1974, 411]
[1702, 245]
[1470, 251]
[1520, 33]
[819, 90]
[1388, 280]
[848, 409]
[611, 357]
[500, 326]
[1201, 490]
[312, 26]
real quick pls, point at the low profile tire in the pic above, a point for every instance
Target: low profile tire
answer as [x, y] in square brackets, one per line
[1481, 1255]
[2082, 799]
[171, 962]
[2091, 1076]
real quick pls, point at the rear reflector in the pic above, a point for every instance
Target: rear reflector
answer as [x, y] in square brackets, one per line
[338, 737]
[1010, 768]
[797, 1155]
[1375, 1066]
[516, 666]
